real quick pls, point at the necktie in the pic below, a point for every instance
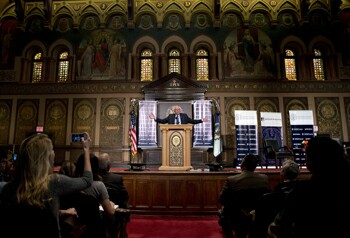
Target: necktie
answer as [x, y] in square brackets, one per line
[176, 119]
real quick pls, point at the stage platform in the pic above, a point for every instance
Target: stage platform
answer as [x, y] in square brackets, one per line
[194, 192]
[182, 192]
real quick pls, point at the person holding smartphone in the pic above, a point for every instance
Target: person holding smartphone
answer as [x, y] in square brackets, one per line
[34, 192]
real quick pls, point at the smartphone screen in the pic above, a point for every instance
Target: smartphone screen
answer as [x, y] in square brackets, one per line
[76, 137]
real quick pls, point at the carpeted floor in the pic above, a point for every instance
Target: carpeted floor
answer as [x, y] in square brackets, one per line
[174, 227]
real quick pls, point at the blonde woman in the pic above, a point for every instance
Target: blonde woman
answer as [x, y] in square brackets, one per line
[29, 205]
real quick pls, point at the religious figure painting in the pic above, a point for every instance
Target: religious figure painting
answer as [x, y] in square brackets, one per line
[7, 32]
[102, 56]
[248, 52]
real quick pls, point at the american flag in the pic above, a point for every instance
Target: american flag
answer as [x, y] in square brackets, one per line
[132, 134]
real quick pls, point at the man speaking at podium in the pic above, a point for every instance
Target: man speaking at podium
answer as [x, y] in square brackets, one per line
[177, 117]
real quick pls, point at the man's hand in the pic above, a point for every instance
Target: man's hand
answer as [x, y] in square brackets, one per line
[151, 116]
[205, 119]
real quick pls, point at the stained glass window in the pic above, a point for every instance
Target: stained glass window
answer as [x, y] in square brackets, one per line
[174, 61]
[146, 65]
[63, 67]
[202, 64]
[290, 65]
[318, 65]
[37, 68]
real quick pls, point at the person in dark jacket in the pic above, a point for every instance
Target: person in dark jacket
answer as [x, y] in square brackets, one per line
[114, 182]
[177, 117]
[318, 207]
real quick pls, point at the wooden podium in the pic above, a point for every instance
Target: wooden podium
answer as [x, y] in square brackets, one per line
[176, 146]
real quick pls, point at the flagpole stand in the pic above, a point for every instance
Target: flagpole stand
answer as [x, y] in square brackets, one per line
[137, 166]
[215, 166]
[136, 161]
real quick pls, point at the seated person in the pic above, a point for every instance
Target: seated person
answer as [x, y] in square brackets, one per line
[29, 204]
[114, 182]
[318, 207]
[269, 204]
[239, 195]
[289, 173]
[68, 214]
[89, 199]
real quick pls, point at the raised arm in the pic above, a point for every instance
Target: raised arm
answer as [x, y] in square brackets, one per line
[86, 140]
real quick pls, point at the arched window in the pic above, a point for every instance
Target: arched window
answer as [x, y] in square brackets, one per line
[202, 64]
[146, 65]
[37, 67]
[318, 65]
[290, 65]
[63, 67]
[174, 61]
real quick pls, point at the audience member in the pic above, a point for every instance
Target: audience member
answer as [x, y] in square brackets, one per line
[239, 195]
[269, 204]
[68, 214]
[68, 168]
[114, 182]
[318, 207]
[97, 191]
[289, 173]
[2, 184]
[30, 202]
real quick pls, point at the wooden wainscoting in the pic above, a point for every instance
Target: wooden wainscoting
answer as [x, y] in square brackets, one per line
[180, 192]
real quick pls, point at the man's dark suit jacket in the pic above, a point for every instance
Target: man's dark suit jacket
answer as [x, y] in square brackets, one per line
[115, 182]
[185, 119]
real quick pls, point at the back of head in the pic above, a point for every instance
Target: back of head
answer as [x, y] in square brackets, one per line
[325, 155]
[94, 166]
[104, 162]
[33, 167]
[68, 168]
[249, 162]
[290, 170]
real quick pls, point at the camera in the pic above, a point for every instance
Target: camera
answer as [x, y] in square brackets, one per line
[76, 137]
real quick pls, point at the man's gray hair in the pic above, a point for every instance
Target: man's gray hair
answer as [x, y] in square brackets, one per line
[104, 161]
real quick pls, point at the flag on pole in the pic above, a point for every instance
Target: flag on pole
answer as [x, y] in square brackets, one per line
[132, 134]
[217, 132]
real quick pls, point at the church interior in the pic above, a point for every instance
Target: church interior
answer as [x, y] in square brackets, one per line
[73, 66]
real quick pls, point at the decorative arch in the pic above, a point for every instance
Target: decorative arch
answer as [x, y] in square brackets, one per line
[324, 42]
[147, 20]
[94, 16]
[205, 41]
[34, 23]
[63, 23]
[294, 42]
[64, 11]
[260, 18]
[174, 21]
[202, 19]
[59, 45]
[116, 21]
[145, 40]
[288, 18]
[9, 11]
[32, 46]
[176, 41]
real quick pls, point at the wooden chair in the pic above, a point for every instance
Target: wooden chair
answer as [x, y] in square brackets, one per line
[90, 217]
[121, 216]
[273, 151]
[27, 221]
[120, 199]
[267, 207]
[236, 213]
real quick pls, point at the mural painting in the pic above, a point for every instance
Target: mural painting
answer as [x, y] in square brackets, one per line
[102, 55]
[248, 51]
